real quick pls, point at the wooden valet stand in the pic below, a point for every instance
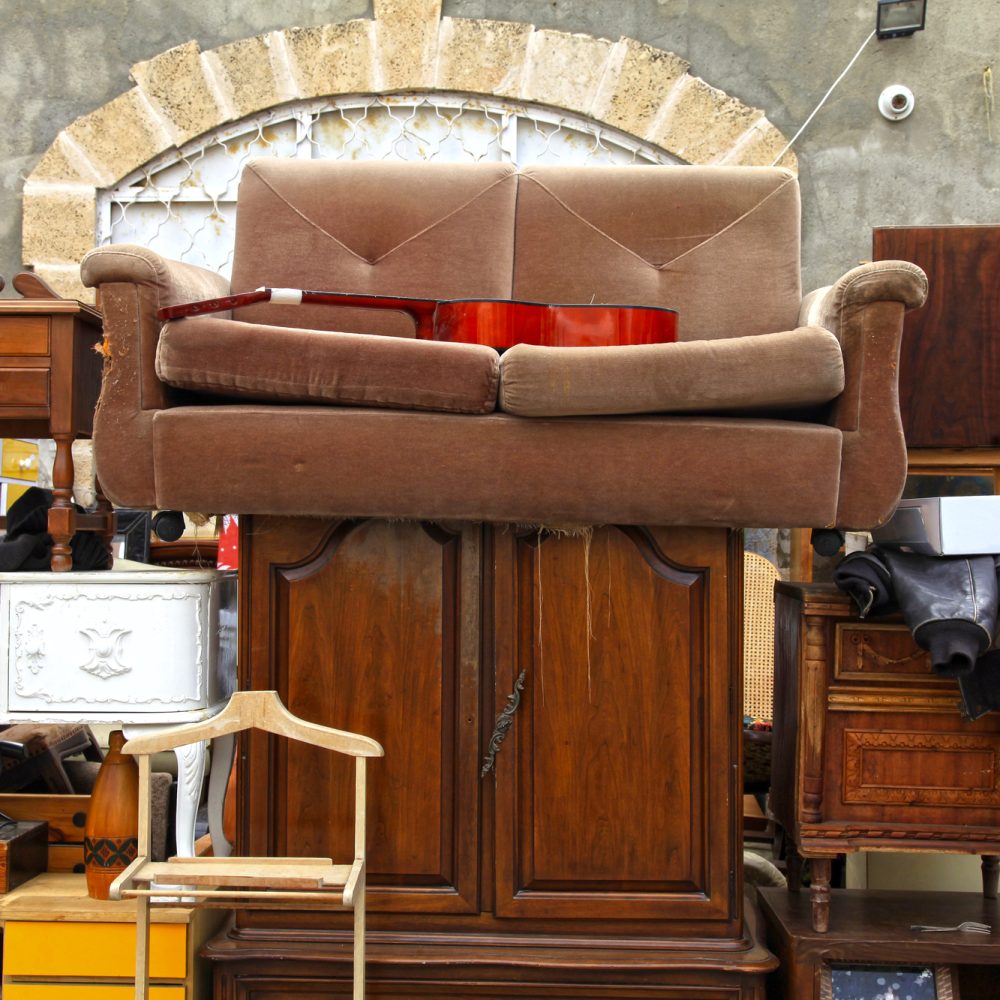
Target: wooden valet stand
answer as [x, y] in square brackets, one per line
[254, 882]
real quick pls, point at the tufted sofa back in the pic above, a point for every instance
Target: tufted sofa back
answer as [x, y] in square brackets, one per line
[718, 244]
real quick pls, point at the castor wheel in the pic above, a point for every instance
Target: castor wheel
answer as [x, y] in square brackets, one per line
[168, 525]
[827, 541]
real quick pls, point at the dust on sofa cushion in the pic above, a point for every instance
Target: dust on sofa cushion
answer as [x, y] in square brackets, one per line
[774, 371]
[282, 364]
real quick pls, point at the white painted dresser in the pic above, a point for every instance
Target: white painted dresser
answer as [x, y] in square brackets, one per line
[135, 647]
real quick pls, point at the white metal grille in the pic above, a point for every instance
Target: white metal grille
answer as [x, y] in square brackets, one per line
[183, 204]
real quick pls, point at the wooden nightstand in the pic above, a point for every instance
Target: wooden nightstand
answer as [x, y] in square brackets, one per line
[58, 944]
[870, 751]
[50, 377]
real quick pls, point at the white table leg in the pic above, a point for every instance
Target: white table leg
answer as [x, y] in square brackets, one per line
[190, 776]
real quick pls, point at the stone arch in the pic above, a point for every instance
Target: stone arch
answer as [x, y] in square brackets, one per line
[184, 92]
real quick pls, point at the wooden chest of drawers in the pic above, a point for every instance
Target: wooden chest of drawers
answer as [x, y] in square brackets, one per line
[58, 944]
[870, 750]
[50, 377]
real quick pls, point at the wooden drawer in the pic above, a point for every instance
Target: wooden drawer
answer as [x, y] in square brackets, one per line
[868, 653]
[24, 335]
[24, 387]
[96, 950]
[86, 991]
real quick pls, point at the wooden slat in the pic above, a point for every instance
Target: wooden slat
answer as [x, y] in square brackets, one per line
[271, 874]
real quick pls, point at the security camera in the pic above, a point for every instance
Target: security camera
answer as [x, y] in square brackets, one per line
[896, 102]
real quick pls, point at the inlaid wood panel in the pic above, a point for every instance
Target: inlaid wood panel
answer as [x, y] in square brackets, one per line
[613, 786]
[368, 629]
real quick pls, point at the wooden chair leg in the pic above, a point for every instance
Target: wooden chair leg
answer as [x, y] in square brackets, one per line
[819, 893]
[991, 875]
[359, 943]
[142, 948]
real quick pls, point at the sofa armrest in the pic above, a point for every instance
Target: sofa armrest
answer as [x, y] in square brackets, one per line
[134, 283]
[864, 309]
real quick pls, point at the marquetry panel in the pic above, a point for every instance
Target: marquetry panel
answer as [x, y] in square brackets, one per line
[920, 768]
[371, 627]
[613, 782]
[867, 652]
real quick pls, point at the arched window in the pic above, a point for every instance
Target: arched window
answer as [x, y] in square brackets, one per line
[182, 204]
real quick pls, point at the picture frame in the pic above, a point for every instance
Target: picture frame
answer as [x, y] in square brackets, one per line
[889, 981]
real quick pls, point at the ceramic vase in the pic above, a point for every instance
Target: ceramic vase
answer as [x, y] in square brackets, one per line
[110, 839]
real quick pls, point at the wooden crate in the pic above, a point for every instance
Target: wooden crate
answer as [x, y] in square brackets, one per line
[66, 816]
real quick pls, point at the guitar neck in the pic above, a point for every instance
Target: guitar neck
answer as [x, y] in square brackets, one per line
[422, 310]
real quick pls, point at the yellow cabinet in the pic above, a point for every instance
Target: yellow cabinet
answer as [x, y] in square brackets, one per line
[58, 944]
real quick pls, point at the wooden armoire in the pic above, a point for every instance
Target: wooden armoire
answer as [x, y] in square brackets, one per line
[558, 811]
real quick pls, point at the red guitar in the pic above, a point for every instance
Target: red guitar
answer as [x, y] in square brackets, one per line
[498, 323]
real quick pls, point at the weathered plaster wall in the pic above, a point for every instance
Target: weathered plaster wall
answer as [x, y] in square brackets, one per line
[61, 59]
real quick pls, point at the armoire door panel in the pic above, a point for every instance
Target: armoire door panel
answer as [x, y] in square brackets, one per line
[613, 786]
[373, 629]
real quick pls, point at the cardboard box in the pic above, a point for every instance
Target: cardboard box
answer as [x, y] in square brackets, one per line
[944, 526]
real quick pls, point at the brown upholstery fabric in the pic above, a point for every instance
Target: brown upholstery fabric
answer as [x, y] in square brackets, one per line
[134, 283]
[388, 463]
[439, 231]
[252, 361]
[718, 244]
[864, 309]
[775, 370]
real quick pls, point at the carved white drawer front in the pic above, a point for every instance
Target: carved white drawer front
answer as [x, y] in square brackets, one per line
[123, 645]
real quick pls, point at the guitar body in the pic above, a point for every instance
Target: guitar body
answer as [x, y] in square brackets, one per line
[498, 323]
[503, 323]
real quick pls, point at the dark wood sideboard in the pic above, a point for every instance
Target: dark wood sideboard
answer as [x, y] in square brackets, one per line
[558, 810]
[949, 367]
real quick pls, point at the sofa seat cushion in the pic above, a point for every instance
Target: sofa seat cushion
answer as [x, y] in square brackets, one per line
[773, 371]
[283, 364]
[354, 462]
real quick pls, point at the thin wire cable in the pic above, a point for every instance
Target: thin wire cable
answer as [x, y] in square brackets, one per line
[833, 86]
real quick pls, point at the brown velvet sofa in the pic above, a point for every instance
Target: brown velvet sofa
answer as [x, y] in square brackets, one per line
[773, 409]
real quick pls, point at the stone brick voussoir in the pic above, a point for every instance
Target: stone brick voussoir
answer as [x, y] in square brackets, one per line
[636, 84]
[699, 123]
[482, 57]
[121, 135]
[564, 70]
[759, 146]
[333, 58]
[59, 223]
[406, 41]
[246, 71]
[178, 85]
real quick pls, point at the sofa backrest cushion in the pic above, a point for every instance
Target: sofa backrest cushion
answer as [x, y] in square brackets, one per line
[718, 244]
[382, 228]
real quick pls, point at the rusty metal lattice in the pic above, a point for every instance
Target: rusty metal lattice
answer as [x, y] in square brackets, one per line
[183, 203]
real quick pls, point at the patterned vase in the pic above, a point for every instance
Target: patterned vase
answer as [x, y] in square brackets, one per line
[110, 836]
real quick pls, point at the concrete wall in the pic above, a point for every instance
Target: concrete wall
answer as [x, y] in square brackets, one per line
[60, 59]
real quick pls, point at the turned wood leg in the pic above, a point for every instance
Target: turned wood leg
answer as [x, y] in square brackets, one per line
[62, 516]
[793, 864]
[991, 872]
[821, 870]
